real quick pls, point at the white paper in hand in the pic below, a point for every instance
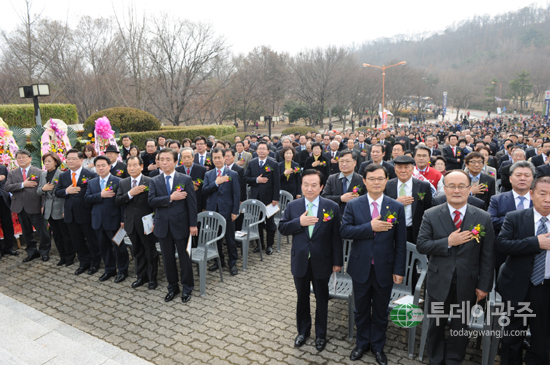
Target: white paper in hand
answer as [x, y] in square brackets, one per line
[272, 209]
[147, 223]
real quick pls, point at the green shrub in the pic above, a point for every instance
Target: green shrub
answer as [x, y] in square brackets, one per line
[22, 115]
[231, 137]
[299, 129]
[126, 119]
[139, 138]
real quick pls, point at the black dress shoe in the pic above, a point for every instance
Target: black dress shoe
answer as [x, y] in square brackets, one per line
[32, 257]
[120, 278]
[45, 258]
[357, 353]
[69, 263]
[139, 282]
[81, 269]
[380, 357]
[92, 270]
[185, 298]
[257, 249]
[320, 344]
[269, 251]
[300, 340]
[61, 262]
[171, 295]
[213, 267]
[234, 270]
[106, 276]
[152, 285]
[11, 253]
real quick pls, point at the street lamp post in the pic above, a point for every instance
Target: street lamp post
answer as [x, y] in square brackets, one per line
[383, 68]
[499, 93]
[34, 91]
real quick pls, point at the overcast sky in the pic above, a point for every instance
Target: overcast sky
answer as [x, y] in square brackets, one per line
[285, 25]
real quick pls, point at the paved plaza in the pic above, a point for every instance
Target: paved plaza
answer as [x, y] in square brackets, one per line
[247, 319]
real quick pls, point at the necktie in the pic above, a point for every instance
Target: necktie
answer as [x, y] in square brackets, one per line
[361, 146]
[24, 172]
[344, 185]
[310, 214]
[375, 214]
[168, 184]
[202, 160]
[475, 178]
[454, 152]
[520, 205]
[102, 184]
[134, 183]
[240, 156]
[188, 172]
[402, 191]
[74, 178]
[539, 267]
[261, 164]
[219, 173]
[457, 221]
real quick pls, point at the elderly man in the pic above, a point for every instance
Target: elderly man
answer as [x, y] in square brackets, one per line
[460, 265]
[333, 155]
[518, 154]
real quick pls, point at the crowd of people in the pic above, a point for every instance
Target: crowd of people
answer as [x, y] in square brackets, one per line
[473, 196]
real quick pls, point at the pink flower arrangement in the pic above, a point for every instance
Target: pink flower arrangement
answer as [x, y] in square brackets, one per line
[103, 128]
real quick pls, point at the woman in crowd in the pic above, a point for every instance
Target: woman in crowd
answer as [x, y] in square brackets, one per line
[440, 164]
[291, 173]
[186, 142]
[52, 208]
[318, 162]
[89, 155]
[134, 151]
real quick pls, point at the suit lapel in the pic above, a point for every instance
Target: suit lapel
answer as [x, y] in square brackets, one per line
[530, 222]
[469, 219]
[320, 213]
[415, 191]
[445, 218]
[510, 203]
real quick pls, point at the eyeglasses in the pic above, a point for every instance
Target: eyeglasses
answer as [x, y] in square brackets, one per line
[477, 162]
[373, 179]
[459, 187]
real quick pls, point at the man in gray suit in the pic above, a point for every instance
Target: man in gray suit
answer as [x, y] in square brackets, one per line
[363, 148]
[22, 184]
[242, 158]
[460, 268]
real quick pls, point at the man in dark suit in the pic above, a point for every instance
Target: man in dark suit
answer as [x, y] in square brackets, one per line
[262, 174]
[172, 196]
[202, 157]
[333, 156]
[524, 239]
[363, 148]
[229, 156]
[374, 268]
[377, 153]
[107, 220]
[453, 154]
[118, 168]
[304, 154]
[414, 194]
[149, 156]
[483, 185]
[196, 172]
[430, 143]
[126, 144]
[517, 155]
[5, 217]
[22, 184]
[340, 186]
[132, 194]
[521, 178]
[222, 192]
[542, 159]
[460, 265]
[316, 254]
[72, 187]
[388, 146]
[403, 140]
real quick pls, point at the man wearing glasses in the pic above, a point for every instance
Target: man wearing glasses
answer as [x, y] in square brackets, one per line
[483, 185]
[459, 241]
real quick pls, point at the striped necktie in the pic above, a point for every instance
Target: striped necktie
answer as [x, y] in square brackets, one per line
[539, 267]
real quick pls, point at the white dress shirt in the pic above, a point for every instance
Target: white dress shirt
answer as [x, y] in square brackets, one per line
[526, 202]
[315, 207]
[171, 182]
[138, 180]
[378, 201]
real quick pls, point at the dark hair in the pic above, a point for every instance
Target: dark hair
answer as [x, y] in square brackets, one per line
[172, 141]
[262, 143]
[54, 156]
[102, 157]
[22, 151]
[170, 151]
[289, 148]
[133, 147]
[161, 136]
[442, 159]
[473, 155]
[452, 135]
[79, 154]
[241, 142]
[316, 144]
[422, 147]
[373, 167]
[138, 157]
[400, 145]
[186, 140]
[462, 140]
[483, 148]
[543, 142]
[379, 145]
[313, 172]
[200, 138]
[150, 140]
[126, 136]
[218, 150]
[461, 172]
[230, 150]
[89, 147]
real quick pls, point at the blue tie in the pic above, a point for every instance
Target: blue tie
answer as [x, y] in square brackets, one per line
[202, 161]
[168, 184]
[261, 164]
[539, 267]
[344, 185]
[102, 184]
[520, 205]
[475, 178]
